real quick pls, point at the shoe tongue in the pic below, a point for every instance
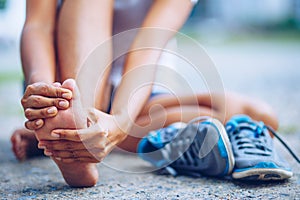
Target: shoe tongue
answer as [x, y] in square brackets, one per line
[252, 130]
[249, 133]
[161, 137]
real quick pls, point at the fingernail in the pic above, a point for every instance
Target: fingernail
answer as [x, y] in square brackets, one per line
[48, 153]
[63, 104]
[51, 110]
[67, 95]
[57, 84]
[56, 135]
[41, 145]
[57, 158]
[38, 122]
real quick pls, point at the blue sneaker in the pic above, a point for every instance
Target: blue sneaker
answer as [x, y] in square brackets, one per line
[254, 152]
[200, 147]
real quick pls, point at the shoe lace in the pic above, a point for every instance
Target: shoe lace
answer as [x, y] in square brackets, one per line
[283, 143]
[259, 141]
[254, 140]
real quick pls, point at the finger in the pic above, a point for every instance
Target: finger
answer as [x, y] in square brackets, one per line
[94, 145]
[37, 101]
[34, 124]
[77, 160]
[32, 114]
[69, 154]
[61, 145]
[79, 135]
[75, 155]
[47, 90]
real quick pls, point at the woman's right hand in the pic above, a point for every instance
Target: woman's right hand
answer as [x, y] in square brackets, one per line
[42, 100]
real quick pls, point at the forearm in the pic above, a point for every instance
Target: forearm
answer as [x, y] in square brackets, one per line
[38, 55]
[136, 85]
[134, 89]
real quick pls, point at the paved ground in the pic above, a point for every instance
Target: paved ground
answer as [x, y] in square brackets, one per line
[269, 70]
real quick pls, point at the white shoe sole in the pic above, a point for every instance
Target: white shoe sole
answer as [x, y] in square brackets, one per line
[263, 174]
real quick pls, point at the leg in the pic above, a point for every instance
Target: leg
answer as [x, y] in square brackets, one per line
[234, 104]
[83, 53]
[173, 110]
[81, 27]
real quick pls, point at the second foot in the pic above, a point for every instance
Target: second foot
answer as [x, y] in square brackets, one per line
[24, 144]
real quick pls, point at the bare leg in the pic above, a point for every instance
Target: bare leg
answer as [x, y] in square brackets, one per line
[83, 53]
[234, 104]
[81, 28]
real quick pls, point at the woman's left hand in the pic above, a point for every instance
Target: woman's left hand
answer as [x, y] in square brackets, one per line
[90, 145]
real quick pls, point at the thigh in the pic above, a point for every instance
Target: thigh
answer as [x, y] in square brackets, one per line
[169, 100]
[163, 109]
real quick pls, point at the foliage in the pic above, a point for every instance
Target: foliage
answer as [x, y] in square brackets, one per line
[3, 4]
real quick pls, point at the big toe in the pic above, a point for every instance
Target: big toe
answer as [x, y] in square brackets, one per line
[71, 85]
[79, 114]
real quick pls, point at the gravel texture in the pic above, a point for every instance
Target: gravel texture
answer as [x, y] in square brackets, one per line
[40, 179]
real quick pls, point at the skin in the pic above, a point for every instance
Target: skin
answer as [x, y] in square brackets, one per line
[79, 174]
[87, 139]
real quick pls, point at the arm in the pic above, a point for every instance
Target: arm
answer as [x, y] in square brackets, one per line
[39, 63]
[130, 97]
[37, 41]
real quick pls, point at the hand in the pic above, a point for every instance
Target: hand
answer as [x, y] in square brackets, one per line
[41, 100]
[90, 145]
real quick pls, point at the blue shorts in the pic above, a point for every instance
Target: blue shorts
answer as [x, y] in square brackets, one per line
[153, 94]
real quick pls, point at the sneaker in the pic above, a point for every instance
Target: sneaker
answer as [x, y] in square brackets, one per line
[200, 147]
[255, 155]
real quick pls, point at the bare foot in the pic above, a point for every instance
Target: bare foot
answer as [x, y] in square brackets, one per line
[24, 144]
[76, 174]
